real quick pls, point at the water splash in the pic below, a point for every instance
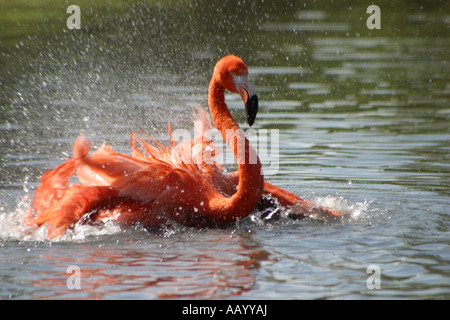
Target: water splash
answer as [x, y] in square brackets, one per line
[14, 228]
[352, 212]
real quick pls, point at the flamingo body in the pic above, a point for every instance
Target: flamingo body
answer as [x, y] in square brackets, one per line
[156, 185]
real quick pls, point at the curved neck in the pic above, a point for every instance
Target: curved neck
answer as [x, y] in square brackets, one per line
[251, 179]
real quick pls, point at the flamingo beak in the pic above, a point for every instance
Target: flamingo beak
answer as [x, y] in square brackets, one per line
[249, 97]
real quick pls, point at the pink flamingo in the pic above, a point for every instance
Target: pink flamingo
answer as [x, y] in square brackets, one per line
[156, 185]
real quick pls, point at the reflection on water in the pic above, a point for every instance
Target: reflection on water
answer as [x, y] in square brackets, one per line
[175, 267]
[363, 125]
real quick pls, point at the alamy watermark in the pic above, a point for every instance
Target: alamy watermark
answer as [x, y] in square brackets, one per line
[374, 280]
[74, 280]
[74, 20]
[210, 148]
[374, 20]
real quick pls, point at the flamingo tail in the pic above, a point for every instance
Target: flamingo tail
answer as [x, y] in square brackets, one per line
[59, 204]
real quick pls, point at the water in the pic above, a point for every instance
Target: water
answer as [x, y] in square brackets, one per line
[363, 120]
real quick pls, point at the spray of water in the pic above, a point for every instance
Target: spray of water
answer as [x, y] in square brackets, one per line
[13, 228]
[352, 212]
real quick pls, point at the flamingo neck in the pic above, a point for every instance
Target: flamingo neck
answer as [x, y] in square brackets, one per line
[251, 179]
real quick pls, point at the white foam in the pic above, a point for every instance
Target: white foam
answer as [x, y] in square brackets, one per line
[14, 228]
[351, 211]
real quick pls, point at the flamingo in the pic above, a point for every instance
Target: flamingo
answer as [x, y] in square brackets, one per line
[156, 184]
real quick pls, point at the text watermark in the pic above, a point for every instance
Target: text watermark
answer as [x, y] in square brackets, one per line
[210, 148]
[74, 20]
[74, 280]
[374, 20]
[374, 280]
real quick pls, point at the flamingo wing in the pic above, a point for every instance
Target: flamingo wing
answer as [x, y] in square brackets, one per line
[130, 189]
[146, 187]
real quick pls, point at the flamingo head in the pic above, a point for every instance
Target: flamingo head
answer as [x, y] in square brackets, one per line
[232, 73]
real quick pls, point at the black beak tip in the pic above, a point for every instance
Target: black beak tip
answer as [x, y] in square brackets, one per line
[251, 109]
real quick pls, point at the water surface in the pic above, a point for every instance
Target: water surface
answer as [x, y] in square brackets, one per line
[363, 120]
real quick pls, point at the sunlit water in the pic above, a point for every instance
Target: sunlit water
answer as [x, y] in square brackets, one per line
[363, 123]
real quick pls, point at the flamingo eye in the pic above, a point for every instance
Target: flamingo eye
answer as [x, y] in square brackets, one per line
[238, 80]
